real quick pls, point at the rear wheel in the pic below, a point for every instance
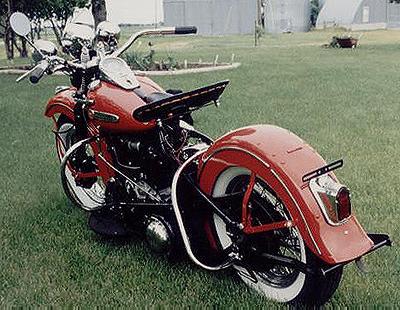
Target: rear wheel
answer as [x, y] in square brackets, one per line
[89, 195]
[277, 282]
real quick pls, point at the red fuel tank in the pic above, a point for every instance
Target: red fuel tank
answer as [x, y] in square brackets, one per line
[113, 106]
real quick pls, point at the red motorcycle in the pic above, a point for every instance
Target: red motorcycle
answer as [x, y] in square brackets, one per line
[259, 199]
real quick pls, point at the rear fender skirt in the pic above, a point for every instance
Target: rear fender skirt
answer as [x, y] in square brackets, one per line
[281, 159]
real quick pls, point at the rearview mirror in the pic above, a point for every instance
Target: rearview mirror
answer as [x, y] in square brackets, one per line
[20, 24]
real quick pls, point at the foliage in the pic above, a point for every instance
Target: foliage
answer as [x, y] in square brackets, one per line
[56, 11]
[169, 63]
[315, 11]
[140, 61]
[147, 62]
[43, 9]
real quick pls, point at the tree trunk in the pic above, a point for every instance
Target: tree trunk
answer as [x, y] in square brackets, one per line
[24, 51]
[16, 45]
[8, 33]
[39, 30]
[99, 11]
[8, 43]
[57, 31]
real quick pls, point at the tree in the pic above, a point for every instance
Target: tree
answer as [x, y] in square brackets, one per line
[315, 11]
[6, 9]
[31, 8]
[58, 12]
[55, 11]
[99, 11]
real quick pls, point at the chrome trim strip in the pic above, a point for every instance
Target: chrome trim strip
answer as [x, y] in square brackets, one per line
[276, 176]
[179, 219]
[236, 149]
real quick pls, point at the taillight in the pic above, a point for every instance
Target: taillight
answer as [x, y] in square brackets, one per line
[343, 203]
[333, 199]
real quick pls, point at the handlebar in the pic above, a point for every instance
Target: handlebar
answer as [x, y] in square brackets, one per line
[38, 72]
[186, 30]
[160, 31]
[49, 64]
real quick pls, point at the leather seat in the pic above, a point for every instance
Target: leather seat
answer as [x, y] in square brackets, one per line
[156, 96]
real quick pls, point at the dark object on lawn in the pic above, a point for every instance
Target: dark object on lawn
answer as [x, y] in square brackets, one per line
[348, 42]
[344, 42]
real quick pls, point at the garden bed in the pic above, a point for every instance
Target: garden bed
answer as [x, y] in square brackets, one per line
[186, 69]
[191, 68]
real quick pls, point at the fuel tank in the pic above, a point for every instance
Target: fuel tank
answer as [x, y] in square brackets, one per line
[113, 106]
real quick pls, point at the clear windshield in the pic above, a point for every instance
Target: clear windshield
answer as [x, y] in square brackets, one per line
[118, 72]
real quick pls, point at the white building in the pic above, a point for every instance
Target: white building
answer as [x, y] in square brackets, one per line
[134, 11]
[212, 17]
[287, 15]
[360, 14]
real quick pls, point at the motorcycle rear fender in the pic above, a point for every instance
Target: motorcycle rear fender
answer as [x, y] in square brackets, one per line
[281, 159]
[61, 103]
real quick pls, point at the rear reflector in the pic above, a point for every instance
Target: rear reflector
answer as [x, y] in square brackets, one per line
[343, 203]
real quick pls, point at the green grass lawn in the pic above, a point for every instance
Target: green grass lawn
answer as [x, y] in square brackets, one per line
[343, 102]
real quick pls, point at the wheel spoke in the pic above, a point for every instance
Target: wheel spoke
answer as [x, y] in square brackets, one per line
[262, 210]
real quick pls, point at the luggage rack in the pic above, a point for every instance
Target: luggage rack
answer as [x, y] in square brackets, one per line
[180, 104]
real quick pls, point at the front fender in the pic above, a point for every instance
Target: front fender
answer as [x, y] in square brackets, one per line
[62, 103]
[281, 158]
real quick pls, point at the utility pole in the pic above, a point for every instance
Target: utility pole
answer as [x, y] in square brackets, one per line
[155, 13]
[259, 12]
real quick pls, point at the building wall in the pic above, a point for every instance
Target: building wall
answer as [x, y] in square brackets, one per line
[338, 13]
[360, 14]
[393, 15]
[371, 12]
[288, 16]
[234, 16]
[174, 13]
[212, 17]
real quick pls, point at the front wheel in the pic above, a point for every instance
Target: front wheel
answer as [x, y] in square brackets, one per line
[276, 282]
[90, 194]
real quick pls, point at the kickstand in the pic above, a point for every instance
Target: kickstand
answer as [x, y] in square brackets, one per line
[361, 266]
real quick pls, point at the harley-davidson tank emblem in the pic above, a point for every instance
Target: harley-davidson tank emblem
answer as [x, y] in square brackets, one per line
[103, 116]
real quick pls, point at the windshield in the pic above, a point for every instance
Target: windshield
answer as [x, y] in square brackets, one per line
[117, 71]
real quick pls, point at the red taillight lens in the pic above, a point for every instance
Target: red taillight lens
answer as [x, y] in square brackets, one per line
[343, 204]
